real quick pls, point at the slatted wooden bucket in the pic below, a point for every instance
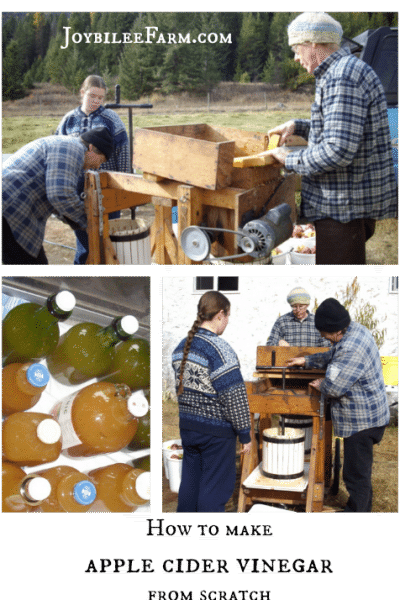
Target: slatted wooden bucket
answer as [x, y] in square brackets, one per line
[283, 453]
[300, 422]
[131, 241]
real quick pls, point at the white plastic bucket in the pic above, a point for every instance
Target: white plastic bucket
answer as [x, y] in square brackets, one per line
[166, 447]
[175, 472]
[131, 241]
[283, 453]
[300, 422]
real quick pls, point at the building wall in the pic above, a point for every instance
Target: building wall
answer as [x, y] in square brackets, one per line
[256, 306]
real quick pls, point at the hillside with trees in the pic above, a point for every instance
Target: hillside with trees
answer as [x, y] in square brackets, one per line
[242, 47]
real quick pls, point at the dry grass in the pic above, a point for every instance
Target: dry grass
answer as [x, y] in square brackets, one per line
[384, 476]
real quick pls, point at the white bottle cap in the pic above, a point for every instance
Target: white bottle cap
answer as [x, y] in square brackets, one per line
[49, 431]
[143, 485]
[65, 301]
[38, 488]
[137, 404]
[129, 324]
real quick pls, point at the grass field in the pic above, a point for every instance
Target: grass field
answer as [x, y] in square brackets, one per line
[19, 130]
[38, 115]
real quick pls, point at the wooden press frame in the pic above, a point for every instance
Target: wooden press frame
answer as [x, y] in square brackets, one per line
[266, 400]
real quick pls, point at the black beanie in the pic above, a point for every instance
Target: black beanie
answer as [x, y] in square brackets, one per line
[101, 138]
[331, 316]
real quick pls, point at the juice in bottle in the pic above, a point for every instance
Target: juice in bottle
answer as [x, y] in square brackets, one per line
[22, 492]
[71, 491]
[120, 488]
[86, 350]
[131, 364]
[31, 438]
[22, 386]
[100, 418]
[141, 439]
[30, 331]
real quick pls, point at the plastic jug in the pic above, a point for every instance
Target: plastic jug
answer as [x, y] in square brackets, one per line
[22, 386]
[120, 488]
[22, 492]
[102, 417]
[71, 491]
[31, 438]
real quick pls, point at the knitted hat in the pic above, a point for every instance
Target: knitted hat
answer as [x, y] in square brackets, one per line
[331, 316]
[298, 296]
[101, 138]
[317, 27]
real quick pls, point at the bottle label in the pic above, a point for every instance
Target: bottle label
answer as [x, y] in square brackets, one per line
[63, 413]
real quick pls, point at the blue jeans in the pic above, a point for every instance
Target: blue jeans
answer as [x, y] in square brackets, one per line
[208, 472]
[82, 242]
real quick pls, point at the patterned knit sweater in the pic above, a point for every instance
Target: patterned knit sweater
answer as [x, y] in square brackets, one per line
[214, 399]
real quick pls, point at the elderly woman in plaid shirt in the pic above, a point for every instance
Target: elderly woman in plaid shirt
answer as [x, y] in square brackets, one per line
[348, 178]
[296, 328]
[355, 387]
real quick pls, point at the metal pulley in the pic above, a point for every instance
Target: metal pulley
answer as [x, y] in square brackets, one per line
[257, 238]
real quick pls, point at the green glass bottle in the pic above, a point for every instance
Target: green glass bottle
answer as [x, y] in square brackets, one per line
[131, 364]
[86, 350]
[142, 437]
[30, 332]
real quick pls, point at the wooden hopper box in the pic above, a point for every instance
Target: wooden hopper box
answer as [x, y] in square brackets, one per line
[197, 154]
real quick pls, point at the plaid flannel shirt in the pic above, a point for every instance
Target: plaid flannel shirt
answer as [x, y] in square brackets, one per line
[353, 382]
[295, 332]
[347, 169]
[214, 399]
[77, 122]
[41, 179]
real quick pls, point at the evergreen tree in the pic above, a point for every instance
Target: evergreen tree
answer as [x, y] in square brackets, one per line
[12, 87]
[253, 44]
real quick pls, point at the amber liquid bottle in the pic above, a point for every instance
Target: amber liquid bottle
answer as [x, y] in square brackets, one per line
[100, 418]
[86, 350]
[71, 491]
[22, 492]
[31, 439]
[120, 488]
[30, 332]
[22, 386]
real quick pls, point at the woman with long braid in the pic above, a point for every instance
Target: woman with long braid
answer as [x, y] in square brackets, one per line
[213, 409]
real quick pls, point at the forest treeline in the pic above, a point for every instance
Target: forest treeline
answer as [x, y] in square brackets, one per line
[243, 47]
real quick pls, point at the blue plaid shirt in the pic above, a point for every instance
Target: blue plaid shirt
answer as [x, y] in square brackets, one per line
[38, 180]
[347, 169]
[77, 122]
[295, 332]
[353, 382]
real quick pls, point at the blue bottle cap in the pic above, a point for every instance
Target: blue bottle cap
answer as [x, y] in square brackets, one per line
[38, 375]
[84, 492]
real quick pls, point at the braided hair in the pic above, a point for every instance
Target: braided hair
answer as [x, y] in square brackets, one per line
[210, 304]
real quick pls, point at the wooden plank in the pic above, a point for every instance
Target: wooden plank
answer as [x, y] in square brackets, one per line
[256, 160]
[93, 218]
[246, 142]
[120, 199]
[188, 160]
[248, 177]
[189, 213]
[280, 403]
[132, 182]
[283, 354]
